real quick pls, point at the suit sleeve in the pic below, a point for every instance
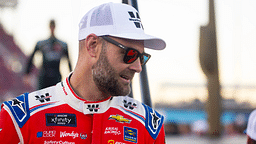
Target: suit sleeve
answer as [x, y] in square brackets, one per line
[8, 134]
[30, 60]
[68, 58]
[161, 137]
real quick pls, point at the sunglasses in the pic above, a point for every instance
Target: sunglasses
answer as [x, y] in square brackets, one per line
[131, 54]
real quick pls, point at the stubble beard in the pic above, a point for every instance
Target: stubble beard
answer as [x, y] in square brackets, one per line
[106, 77]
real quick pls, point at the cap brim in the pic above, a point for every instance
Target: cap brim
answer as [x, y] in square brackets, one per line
[150, 42]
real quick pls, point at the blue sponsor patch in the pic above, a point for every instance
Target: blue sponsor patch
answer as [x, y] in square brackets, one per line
[19, 108]
[60, 119]
[130, 134]
[39, 134]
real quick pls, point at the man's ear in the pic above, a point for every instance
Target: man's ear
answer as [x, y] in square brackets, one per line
[92, 45]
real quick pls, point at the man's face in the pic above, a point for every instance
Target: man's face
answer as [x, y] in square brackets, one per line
[111, 74]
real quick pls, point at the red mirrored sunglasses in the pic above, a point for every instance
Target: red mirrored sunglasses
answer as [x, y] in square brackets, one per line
[131, 54]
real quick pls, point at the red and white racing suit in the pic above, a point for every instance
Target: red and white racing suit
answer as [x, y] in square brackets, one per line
[56, 115]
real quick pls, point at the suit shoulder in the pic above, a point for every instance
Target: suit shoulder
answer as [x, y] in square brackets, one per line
[19, 109]
[44, 98]
[41, 43]
[23, 106]
[152, 120]
[63, 44]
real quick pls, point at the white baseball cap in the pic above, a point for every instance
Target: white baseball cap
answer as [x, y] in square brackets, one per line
[118, 20]
[251, 126]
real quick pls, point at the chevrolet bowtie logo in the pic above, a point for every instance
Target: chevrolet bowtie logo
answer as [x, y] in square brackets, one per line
[119, 118]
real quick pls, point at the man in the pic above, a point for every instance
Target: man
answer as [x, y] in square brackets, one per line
[53, 50]
[90, 106]
[251, 128]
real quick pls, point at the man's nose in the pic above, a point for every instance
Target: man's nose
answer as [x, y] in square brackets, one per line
[136, 66]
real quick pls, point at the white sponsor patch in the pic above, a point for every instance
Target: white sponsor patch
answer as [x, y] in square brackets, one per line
[112, 130]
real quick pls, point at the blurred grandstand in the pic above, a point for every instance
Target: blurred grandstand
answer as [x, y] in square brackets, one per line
[12, 63]
[8, 3]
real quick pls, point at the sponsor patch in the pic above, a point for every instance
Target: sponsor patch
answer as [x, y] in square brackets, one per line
[93, 107]
[112, 130]
[43, 98]
[130, 134]
[113, 142]
[20, 109]
[83, 135]
[153, 122]
[60, 119]
[58, 142]
[119, 118]
[129, 105]
[39, 134]
[46, 134]
[155, 119]
[67, 134]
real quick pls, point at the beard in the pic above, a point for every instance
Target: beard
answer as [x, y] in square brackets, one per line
[106, 77]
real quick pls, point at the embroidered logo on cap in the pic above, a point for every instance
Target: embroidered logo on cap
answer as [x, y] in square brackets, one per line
[135, 19]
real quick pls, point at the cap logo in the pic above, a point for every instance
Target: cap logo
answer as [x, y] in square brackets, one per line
[135, 19]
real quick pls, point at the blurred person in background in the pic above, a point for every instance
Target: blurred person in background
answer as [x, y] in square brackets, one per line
[251, 128]
[52, 50]
[91, 105]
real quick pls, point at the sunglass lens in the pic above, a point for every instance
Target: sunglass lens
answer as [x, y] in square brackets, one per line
[131, 56]
[143, 59]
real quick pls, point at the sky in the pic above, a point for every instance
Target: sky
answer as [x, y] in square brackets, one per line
[176, 21]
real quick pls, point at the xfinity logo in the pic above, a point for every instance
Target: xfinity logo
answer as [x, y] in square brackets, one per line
[61, 119]
[135, 19]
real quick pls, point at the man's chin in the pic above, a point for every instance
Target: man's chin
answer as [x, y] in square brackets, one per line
[124, 92]
[127, 90]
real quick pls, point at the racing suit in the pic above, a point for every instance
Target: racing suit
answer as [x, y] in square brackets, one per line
[56, 115]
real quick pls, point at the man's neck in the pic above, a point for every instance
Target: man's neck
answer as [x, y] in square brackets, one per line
[52, 37]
